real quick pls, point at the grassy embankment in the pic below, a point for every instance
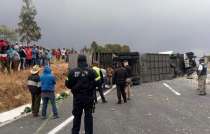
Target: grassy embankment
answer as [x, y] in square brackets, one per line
[13, 88]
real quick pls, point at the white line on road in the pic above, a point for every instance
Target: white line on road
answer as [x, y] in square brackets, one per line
[173, 90]
[70, 119]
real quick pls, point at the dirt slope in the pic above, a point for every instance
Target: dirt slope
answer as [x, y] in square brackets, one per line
[13, 89]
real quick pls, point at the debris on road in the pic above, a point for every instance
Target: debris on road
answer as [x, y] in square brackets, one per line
[113, 109]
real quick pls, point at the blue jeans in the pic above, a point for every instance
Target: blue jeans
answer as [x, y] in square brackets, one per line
[45, 103]
[38, 61]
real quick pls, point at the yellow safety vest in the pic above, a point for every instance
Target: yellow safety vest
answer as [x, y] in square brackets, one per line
[98, 73]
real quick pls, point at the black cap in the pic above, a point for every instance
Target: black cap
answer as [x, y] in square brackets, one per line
[202, 59]
[81, 58]
[82, 61]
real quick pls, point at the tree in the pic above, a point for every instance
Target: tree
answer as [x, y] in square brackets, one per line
[27, 27]
[125, 48]
[109, 48]
[86, 49]
[7, 33]
[116, 48]
[94, 46]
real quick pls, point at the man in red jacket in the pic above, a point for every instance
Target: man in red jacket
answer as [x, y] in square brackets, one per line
[28, 51]
[3, 56]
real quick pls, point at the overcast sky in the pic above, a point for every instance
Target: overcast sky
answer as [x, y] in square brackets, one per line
[145, 25]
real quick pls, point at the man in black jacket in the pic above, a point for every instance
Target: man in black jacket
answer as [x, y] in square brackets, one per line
[22, 54]
[119, 79]
[81, 81]
[34, 87]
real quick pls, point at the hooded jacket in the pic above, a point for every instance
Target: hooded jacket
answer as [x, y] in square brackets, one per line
[47, 80]
[10, 52]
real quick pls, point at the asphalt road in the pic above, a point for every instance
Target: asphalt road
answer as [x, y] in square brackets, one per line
[154, 109]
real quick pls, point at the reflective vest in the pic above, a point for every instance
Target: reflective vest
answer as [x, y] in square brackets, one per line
[97, 73]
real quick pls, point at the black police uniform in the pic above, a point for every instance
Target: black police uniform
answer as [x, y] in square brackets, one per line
[119, 79]
[81, 81]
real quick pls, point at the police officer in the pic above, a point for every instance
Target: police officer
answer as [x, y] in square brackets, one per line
[119, 79]
[202, 75]
[99, 82]
[81, 82]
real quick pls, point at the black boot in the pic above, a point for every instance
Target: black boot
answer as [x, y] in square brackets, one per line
[119, 102]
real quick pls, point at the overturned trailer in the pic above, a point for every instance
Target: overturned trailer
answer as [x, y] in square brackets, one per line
[147, 67]
[155, 67]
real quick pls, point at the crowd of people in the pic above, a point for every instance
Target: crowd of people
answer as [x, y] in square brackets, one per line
[63, 54]
[19, 57]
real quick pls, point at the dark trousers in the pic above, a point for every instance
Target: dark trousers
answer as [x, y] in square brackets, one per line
[22, 63]
[45, 103]
[28, 63]
[78, 106]
[5, 65]
[36, 99]
[33, 61]
[38, 61]
[15, 65]
[100, 90]
[121, 91]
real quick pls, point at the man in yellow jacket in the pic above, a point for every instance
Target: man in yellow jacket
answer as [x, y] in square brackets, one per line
[99, 81]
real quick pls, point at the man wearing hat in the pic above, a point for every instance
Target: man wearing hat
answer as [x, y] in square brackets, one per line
[34, 87]
[202, 75]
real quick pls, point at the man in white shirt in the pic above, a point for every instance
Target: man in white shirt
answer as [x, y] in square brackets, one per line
[63, 53]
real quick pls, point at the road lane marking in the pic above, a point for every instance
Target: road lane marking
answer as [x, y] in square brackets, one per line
[170, 88]
[44, 123]
[70, 119]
